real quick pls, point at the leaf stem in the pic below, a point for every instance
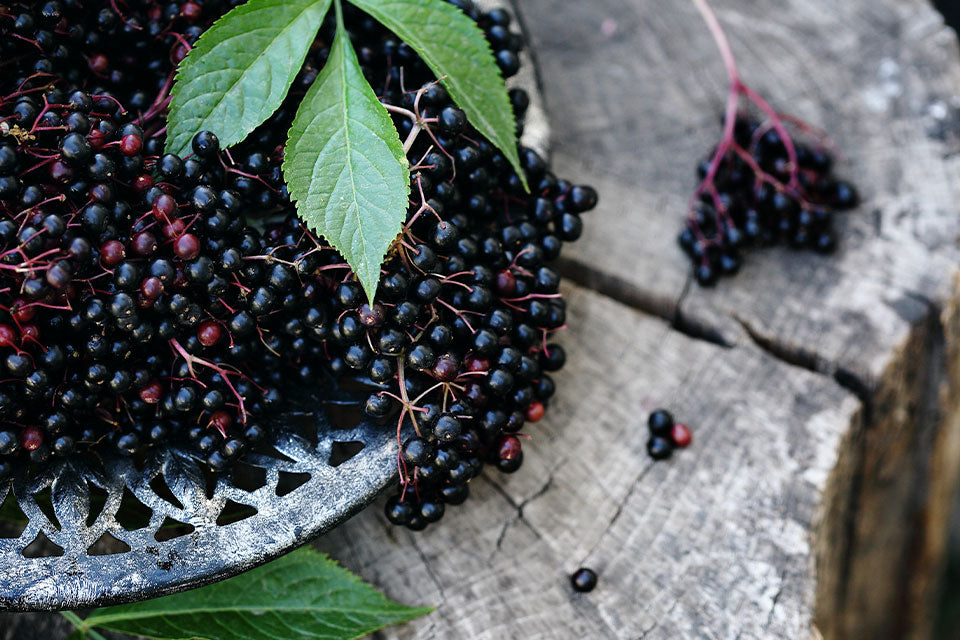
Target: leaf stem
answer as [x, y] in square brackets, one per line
[412, 137]
[75, 620]
[81, 625]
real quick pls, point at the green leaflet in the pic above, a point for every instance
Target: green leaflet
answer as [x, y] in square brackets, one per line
[345, 166]
[303, 595]
[241, 69]
[454, 47]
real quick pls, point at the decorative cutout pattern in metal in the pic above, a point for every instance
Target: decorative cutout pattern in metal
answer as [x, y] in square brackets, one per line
[70, 507]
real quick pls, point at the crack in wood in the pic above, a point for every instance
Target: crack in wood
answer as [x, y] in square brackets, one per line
[429, 567]
[620, 507]
[518, 506]
[776, 598]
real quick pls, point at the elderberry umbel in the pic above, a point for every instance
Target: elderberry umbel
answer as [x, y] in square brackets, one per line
[138, 306]
[762, 185]
[754, 198]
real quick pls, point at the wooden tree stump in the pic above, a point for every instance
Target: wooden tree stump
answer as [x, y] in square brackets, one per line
[822, 392]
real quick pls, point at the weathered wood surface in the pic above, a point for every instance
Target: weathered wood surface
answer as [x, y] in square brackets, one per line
[826, 428]
[814, 499]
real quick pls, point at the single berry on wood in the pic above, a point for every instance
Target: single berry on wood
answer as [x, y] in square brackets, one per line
[584, 580]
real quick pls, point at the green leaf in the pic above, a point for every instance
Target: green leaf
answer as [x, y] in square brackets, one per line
[241, 69]
[345, 166]
[301, 596]
[454, 47]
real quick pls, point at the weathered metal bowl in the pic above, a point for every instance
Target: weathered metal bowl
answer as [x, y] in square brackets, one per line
[110, 530]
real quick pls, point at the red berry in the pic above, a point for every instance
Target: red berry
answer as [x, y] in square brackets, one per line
[131, 144]
[506, 284]
[152, 287]
[8, 336]
[180, 278]
[509, 447]
[209, 333]
[98, 63]
[680, 434]
[97, 139]
[535, 412]
[164, 206]
[144, 243]
[446, 368]
[29, 333]
[101, 193]
[22, 311]
[152, 393]
[112, 253]
[31, 438]
[221, 421]
[190, 10]
[61, 172]
[187, 246]
[474, 363]
[371, 316]
[174, 229]
[142, 182]
[179, 53]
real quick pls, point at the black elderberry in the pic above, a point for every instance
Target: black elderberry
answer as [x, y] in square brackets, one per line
[427, 290]
[583, 580]
[382, 370]
[416, 452]
[405, 314]
[398, 512]
[378, 405]
[660, 422]
[241, 323]
[416, 522]
[421, 357]
[659, 447]
[75, 150]
[510, 465]
[205, 144]
[431, 511]
[358, 356]
[500, 321]
[500, 382]
[553, 358]
[349, 295]
[447, 428]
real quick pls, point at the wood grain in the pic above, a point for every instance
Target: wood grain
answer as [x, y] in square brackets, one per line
[715, 541]
[823, 393]
[816, 496]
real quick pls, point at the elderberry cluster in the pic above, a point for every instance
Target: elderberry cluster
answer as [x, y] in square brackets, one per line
[147, 298]
[756, 197]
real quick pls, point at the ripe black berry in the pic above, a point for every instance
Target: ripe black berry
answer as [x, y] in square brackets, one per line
[205, 144]
[659, 447]
[584, 580]
[660, 422]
